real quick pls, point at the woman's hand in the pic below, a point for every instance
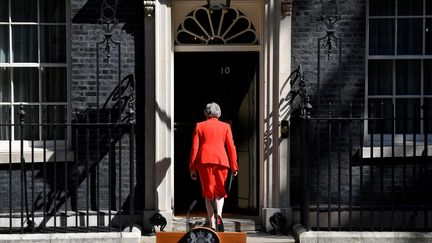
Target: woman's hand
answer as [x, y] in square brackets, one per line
[193, 175]
[235, 173]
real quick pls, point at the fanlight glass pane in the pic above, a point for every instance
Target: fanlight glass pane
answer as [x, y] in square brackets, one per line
[217, 27]
[408, 77]
[54, 84]
[25, 43]
[4, 43]
[26, 84]
[381, 37]
[24, 10]
[53, 44]
[5, 92]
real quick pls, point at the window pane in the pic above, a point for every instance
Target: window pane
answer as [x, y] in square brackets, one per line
[428, 115]
[380, 108]
[382, 8]
[380, 77]
[26, 84]
[54, 114]
[428, 36]
[4, 43]
[24, 10]
[407, 116]
[428, 7]
[5, 93]
[410, 34]
[31, 116]
[53, 44]
[25, 43]
[4, 119]
[427, 77]
[52, 11]
[410, 7]
[54, 84]
[408, 74]
[381, 37]
[4, 9]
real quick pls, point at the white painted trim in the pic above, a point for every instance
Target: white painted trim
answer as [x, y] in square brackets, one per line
[216, 48]
[164, 113]
[254, 10]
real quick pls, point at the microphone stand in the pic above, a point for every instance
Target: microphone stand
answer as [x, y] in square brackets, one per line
[187, 215]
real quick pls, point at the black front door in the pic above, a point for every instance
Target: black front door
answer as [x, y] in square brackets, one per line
[229, 79]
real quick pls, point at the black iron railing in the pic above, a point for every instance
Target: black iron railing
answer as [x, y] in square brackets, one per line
[76, 176]
[363, 173]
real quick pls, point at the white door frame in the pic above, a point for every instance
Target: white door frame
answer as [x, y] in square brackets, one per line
[273, 190]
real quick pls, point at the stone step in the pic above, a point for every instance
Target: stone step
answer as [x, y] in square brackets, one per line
[231, 223]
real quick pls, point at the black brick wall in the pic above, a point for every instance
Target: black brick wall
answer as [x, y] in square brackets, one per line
[85, 34]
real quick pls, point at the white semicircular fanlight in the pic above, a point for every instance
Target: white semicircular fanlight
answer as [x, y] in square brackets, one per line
[216, 27]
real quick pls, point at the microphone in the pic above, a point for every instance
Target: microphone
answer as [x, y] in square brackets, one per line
[187, 215]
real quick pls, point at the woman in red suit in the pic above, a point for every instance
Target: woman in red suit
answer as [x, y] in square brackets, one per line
[213, 153]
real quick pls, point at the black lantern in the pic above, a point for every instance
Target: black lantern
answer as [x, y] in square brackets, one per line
[218, 4]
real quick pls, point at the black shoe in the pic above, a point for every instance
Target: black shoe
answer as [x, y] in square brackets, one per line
[219, 224]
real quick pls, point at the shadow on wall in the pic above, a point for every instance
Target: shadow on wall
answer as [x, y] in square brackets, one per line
[87, 182]
[130, 32]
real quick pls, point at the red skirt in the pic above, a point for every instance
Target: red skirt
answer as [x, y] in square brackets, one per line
[212, 179]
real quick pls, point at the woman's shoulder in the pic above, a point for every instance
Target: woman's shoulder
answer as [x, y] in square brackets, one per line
[212, 122]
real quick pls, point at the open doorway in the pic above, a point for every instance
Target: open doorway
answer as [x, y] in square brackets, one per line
[229, 79]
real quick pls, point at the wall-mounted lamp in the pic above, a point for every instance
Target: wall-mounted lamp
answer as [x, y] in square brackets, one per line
[284, 129]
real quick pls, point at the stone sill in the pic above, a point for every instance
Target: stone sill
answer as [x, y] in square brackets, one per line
[399, 151]
[360, 237]
[38, 155]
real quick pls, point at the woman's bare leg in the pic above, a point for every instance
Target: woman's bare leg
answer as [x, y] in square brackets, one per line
[210, 213]
[219, 205]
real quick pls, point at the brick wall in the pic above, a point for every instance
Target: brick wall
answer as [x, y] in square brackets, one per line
[129, 33]
[346, 77]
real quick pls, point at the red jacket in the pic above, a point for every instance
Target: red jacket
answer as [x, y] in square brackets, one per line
[213, 143]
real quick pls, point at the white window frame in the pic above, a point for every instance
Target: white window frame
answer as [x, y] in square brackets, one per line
[410, 146]
[39, 150]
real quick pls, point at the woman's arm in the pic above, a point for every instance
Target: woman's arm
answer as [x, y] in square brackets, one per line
[194, 149]
[232, 154]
